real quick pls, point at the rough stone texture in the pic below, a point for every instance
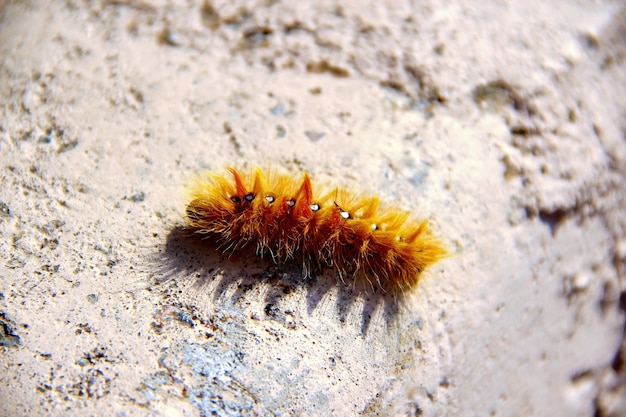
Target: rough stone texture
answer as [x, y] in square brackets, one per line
[504, 123]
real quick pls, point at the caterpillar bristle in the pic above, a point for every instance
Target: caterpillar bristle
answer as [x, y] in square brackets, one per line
[274, 214]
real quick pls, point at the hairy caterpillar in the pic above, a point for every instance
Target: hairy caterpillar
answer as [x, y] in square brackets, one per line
[286, 219]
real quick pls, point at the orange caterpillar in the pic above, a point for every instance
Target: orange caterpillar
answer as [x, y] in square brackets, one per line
[275, 215]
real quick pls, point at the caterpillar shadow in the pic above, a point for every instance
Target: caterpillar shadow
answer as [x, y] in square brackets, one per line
[195, 273]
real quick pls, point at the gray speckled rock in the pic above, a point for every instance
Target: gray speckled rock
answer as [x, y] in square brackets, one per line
[503, 124]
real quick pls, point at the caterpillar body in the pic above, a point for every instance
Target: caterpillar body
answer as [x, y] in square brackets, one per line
[274, 215]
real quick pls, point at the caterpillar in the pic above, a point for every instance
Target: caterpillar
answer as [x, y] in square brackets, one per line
[276, 216]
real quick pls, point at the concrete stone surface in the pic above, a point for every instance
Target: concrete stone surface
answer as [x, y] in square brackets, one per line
[503, 123]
